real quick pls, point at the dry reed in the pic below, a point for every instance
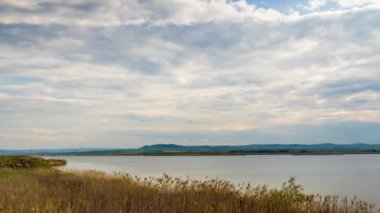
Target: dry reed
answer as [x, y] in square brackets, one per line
[90, 191]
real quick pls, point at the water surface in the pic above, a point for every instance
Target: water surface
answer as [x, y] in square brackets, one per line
[332, 174]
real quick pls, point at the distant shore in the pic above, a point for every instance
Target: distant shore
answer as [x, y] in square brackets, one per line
[211, 150]
[214, 153]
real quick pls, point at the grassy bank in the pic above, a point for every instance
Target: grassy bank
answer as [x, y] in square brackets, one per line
[28, 162]
[49, 190]
[15, 166]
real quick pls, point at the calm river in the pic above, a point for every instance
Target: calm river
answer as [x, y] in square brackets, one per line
[336, 174]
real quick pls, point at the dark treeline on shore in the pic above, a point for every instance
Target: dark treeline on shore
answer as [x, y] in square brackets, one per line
[178, 150]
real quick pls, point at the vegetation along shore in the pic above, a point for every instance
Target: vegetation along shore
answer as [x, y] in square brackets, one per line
[180, 150]
[31, 184]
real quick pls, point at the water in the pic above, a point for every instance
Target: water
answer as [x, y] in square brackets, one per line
[348, 175]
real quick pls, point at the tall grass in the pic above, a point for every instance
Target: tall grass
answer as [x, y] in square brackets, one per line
[55, 191]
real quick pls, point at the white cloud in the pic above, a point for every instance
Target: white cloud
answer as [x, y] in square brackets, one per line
[4, 96]
[134, 12]
[315, 4]
[356, 3]
[181, 67]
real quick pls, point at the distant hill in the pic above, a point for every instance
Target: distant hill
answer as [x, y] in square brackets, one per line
[325, 147]
[174, 149]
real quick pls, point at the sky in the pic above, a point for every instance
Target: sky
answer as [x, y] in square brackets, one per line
[126, 73]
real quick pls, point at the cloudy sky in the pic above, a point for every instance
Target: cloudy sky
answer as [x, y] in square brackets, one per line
[125, 73]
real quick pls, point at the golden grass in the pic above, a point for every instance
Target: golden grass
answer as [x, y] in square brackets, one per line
[55, 191]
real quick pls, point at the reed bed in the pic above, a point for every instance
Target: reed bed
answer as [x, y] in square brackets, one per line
[90, 191]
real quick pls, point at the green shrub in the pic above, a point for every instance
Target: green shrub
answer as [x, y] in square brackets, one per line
[26, 162]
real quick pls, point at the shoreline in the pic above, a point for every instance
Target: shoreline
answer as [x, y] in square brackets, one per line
[219, 154]
[48, 189]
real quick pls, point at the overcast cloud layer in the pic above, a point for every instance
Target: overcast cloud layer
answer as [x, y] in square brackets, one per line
[128, 73]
